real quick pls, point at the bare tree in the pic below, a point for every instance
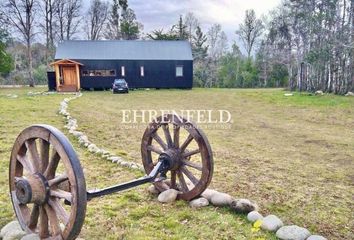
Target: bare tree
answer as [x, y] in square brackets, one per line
[250, 30]
[20, 15]
[96, 19]
[48, 8]
[68, 14]
[192, 23]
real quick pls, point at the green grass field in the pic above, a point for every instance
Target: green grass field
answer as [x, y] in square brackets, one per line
[293, 155]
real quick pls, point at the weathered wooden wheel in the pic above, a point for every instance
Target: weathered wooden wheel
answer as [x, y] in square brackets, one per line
[45, 173]
[191, 159]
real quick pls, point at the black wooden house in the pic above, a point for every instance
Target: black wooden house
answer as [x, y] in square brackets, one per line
[143, 64]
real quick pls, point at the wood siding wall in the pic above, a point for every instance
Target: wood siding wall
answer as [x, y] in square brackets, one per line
[157, 73]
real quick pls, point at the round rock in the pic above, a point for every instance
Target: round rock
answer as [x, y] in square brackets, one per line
[199, 202]
[31, 236]
[243, 206]
[316, 237]
[14, 234]
[293, 232]
[153, 190]
[254, 216]
[168, 196]
[11, 226]
[208, 193]
[221, 199]
[271, 223]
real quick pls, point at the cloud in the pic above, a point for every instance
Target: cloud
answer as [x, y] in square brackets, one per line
[157, 14]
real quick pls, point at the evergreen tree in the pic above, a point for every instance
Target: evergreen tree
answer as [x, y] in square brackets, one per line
[180, 30]
[199, 47]
[6, 61]
[130, 28]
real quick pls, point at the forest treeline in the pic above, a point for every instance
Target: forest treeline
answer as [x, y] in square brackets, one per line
[305, 45]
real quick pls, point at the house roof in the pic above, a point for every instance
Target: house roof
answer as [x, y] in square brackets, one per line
[124, 50]
[65, 62]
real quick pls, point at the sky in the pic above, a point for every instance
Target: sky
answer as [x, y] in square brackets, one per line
[157, 14]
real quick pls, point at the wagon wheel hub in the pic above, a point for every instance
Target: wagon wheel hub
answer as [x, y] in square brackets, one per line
[33, 189]
[174, 158]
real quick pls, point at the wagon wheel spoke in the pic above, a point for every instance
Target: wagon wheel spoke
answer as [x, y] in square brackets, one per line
[186, 143]
[160, 141]
[49, 173]
[33, 153]
[168, 137]
[58, 179]
[154, 149]
[61, 194]
[190, 175]
[176, 135]
[59, 210]
[43, 223]
[44, 154]
[193, 165]
[53, 219]
[182, 181]
[173, 179]
[33, 221]
[26, 163]
[188, 154]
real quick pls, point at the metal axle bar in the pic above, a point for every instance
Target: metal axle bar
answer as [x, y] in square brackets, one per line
[160, 168]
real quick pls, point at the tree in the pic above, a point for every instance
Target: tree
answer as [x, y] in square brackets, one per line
[250, 30]
[199, 47]
[96, 19]
[130, 28]
[6, 61]
[192, 24]
[113, 25]
[20, 15]
[68, 18]
[180, 29]
[159, 34]
[49, 11]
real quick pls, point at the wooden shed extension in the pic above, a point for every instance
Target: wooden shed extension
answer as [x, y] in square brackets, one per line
[67, 75]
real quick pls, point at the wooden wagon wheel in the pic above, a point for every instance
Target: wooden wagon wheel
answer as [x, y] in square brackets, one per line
[44, 173]
[192, 168]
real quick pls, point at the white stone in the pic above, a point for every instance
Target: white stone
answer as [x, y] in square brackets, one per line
[77, 133]
[168, 196]
[254, 216]
[221, 199]
[14, 225]
[288, 94]
[31, 236]
[316, 237]
[14, 234]
[271, 223]
[208, 193]
[153, 190]
[199, 202]
[319, 92]
[92, 148]
[292, 232]
[349, 94]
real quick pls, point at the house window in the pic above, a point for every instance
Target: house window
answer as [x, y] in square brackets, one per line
[142, 71]
[179, 71]
[122, 69]
[100, 73]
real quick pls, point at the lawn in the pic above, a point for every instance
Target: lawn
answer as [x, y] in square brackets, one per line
[293, 155]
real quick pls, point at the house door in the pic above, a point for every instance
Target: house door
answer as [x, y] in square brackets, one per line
[69, 76]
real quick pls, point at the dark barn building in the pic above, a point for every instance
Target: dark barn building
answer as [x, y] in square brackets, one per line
[143, 64]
